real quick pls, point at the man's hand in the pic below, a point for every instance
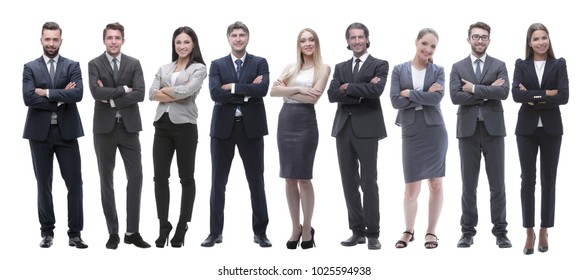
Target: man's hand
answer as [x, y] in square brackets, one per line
[467, 86]
[70, 85]
[498, 82]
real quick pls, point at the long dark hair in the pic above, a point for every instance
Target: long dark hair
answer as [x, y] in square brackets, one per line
[528, 49]
[195, 55]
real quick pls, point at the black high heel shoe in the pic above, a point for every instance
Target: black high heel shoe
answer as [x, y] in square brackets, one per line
[310, 243]
[529, 250]
[163, 239]
[293, 244]
[178, 239]
[543, 243]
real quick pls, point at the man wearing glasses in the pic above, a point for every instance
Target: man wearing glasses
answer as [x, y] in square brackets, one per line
[478, 83]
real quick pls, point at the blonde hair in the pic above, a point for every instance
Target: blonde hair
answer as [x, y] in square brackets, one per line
[316, 56]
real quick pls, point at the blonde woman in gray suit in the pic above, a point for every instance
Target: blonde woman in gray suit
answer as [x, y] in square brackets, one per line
[175, 87]
[416, 91]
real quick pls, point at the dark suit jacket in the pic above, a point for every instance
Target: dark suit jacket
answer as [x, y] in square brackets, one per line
[38, 121]
[361, 99]
[131, 75]
[402, 79]
[222, 71]
[487, 96]
[555, 76]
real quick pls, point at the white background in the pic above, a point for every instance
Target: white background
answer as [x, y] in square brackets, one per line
[274, 26]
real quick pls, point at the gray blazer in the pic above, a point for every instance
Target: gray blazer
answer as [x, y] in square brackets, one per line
[131, 75]
[186, 88]
[486, 96]
[402, 79]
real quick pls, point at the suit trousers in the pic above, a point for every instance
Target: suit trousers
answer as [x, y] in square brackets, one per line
[358, 162]
[549, 147]
[182, 140]
[68, 157]
[471, 150]
[129, 146]
[252, 155]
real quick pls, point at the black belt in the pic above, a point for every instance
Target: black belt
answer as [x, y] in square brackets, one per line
[239, 119]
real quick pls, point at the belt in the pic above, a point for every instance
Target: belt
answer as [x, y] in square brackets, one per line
[239, 119]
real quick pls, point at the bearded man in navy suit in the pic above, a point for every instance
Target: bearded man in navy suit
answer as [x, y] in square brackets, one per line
[52, 85]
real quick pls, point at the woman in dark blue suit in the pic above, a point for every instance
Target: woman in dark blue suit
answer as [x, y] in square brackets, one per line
[540, 84]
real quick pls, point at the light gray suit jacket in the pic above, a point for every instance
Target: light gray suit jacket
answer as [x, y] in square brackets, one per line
[402, 79]
[486, 96]
[186, 88]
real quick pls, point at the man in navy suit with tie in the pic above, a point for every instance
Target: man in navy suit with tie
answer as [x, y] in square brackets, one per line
[52, 85]
[238, 82]
[478, 83]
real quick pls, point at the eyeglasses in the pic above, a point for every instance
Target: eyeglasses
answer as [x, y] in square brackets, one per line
[477, 37]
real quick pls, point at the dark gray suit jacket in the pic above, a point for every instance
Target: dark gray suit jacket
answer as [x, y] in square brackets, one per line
[361, 99]
[131, 75]
[402, 79]
[485, 95]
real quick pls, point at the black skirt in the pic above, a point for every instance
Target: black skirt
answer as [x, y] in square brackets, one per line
[297, 140]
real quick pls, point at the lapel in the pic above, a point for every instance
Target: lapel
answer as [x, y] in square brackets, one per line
[45, 71]
[429, 77]
[549, 67]
[230, 64]
[406, 83]
[533, 81]
[107, 66]
[468, 64]
[366, 64]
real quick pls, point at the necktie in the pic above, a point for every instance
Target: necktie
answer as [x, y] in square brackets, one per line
[478, 70]
[479, 77]
[356, 68]
[52, 69]
[115, 67]
[239, 62]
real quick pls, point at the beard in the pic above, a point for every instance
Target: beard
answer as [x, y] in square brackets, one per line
[479, 53]
[50, 53]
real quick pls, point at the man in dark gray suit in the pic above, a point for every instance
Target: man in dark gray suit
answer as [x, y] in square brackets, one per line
[478, 83]
[356, 87]
[117, 85]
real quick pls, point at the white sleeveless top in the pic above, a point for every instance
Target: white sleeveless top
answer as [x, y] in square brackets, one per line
[303, 79]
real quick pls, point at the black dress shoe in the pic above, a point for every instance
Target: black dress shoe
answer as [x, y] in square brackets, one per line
[374, 243]
[262, 240]
[136, 240]
[113, 241]
[46, 242]
[212, 239]
[77, 242]
[465, 241]
[353, 240]
[502, 241]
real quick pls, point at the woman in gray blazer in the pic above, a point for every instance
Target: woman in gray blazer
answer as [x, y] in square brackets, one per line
[416, 91]
[175, 87]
